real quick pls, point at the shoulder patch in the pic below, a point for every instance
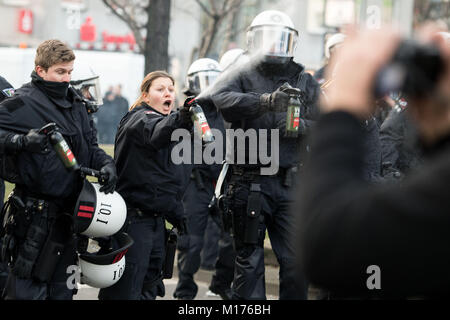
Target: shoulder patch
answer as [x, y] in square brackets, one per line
[8, 92]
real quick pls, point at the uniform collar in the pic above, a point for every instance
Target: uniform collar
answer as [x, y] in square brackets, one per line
[146, 106]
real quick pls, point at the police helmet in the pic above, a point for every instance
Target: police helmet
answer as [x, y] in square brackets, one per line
[272, 34]
[98, 214]
[333, 41]
[201, 74]
[232, 57]
[105, 267]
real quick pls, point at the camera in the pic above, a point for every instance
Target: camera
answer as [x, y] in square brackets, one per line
[414, 70]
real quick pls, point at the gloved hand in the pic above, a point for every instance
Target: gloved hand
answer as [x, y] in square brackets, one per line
[109, 178]
[33, 142]
[185, 114]
[276, 101]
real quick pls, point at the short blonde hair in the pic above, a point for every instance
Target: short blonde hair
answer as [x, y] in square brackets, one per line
[51, 52]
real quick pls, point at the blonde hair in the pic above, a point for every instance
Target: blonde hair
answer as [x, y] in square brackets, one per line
[147, 83]
[51, 52]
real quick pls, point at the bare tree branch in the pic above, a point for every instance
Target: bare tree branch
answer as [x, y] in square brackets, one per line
[129, 20]
[204, 8]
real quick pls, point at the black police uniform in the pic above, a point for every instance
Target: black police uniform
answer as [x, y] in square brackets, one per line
[45, 190]
[153, 187]
[6, 90]
[238, 99]
[372, 151]
[196, 200]
[400, 145]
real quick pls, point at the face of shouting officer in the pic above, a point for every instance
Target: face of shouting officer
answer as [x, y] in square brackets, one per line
[160, 95]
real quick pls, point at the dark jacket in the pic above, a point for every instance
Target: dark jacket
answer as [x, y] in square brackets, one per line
[148, 179]
[238, 99]
[44, 174]
[347, 225]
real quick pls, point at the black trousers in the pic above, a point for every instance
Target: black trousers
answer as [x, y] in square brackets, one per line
[277, 218]
[190, 246]
[59, 287]
[141, 279]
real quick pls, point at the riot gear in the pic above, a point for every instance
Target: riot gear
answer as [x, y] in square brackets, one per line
[201, 74]
[105, 267]
[273, 35]
[98, 214]
[231, 57]
[333, 41]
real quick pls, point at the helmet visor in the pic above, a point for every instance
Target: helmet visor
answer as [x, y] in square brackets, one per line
[90, 89]
[273, 41]
[200, 81]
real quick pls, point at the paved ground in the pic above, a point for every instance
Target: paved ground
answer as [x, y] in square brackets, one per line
[202, 278]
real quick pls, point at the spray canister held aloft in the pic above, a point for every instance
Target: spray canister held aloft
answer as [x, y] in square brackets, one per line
[293, 112]
[200, 122]
[60, 145]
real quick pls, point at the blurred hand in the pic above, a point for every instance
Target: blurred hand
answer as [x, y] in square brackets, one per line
[358, 61]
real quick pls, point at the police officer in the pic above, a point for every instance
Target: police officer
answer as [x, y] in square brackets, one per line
[399, 143]
[259, 199]
[200, 76]
[222, 277]
[6, 90]
[332, 43]
[39, 216]
[151, 184]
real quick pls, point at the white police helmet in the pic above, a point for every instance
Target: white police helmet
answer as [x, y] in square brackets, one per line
[201, 74]
[233, 57]
[98, 214]
[272, 34]
[105, 267]
[333, 41]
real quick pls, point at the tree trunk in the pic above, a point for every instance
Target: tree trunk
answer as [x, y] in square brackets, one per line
[157, 41]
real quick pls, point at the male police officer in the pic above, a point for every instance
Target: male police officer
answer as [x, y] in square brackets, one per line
[45, 190]
[201, 74]
[6, 90]
[253, 100]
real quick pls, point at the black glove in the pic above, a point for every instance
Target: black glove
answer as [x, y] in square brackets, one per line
[276, 101]
[32, 142]
[109, 178]
[185, 114]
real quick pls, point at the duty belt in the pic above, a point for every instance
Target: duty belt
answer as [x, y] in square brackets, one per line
[136, 212]
[286, 174]
[28, 201]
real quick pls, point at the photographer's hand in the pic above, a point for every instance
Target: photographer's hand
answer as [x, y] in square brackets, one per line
[359, 59]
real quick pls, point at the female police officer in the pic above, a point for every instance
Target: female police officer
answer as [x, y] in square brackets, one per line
[151, 184]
